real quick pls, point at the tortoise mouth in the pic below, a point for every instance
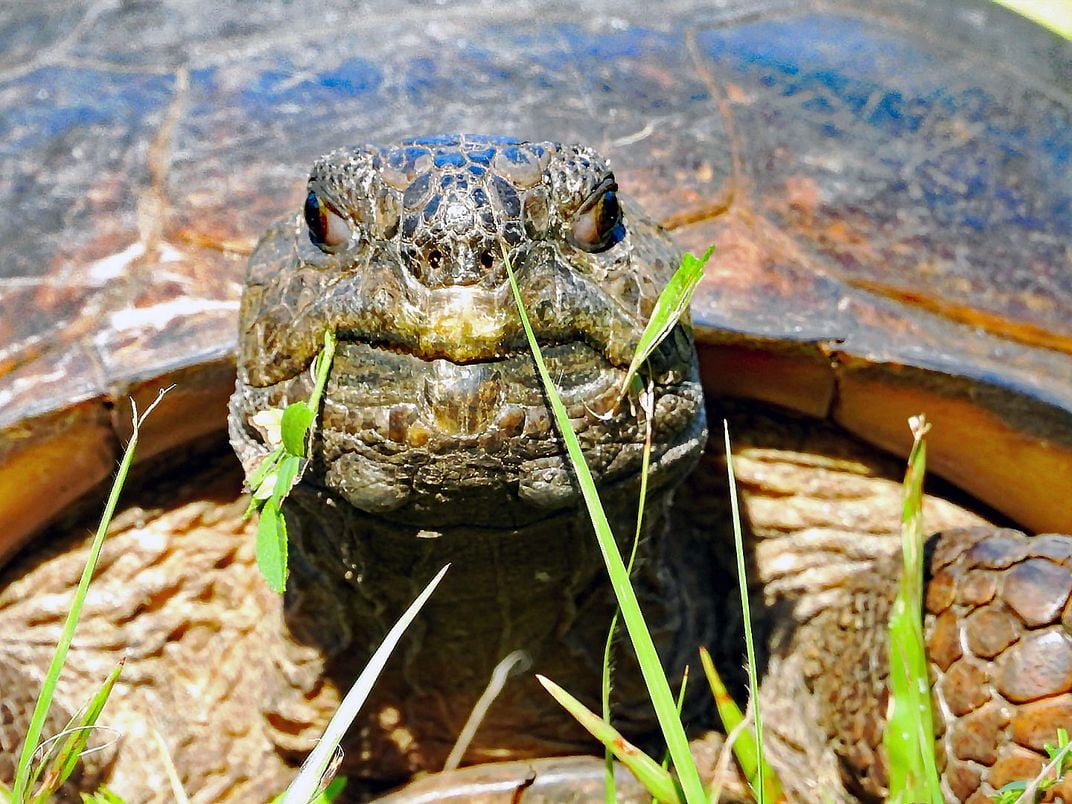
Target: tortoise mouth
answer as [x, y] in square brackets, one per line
[435, 441]
[401, 432]
[411, 398]
[464, 325]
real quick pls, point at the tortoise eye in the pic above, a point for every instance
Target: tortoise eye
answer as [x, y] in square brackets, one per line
[599, 224]
[328, 231]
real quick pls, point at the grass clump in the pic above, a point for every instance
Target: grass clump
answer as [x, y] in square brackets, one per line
[37, 781]
[319, 767]
[1054, 772]
[57, 768]
[687, 787]
[760, 775]
[909, 736]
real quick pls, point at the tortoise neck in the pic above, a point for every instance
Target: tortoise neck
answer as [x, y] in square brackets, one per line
[542, 589]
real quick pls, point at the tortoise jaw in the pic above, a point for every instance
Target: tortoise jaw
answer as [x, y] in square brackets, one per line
[432, 441]
[412, 400]
[383, 304]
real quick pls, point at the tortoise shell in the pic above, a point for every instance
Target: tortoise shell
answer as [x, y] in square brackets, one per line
[887, 187]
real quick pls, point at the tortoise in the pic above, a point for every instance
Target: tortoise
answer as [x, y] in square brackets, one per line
[887, 189]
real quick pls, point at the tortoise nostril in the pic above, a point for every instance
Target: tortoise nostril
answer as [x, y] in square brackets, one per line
[487, 260]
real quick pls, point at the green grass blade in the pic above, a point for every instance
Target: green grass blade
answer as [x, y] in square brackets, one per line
[69, 750]
[178, 794]
[909, 734]
[665, 763]
[48, 688]
[306, 786]
[669, 309]
[102, 796]
[321, 368]
[750, 762]
[730, 714]
[647, 404]
[651, 668]
[648, 772]
[769, 785]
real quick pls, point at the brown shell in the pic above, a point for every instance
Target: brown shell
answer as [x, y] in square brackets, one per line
[887, 186]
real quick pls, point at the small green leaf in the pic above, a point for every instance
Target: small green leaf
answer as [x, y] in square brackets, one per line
[334, 790]
[287, 432]
[272, 528]
[1010, 793]
[290, 468]
[297, 418]
[670, 307]
[272, 546]
[262, 480]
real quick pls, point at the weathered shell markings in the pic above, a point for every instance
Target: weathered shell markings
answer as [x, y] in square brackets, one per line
[891, 227]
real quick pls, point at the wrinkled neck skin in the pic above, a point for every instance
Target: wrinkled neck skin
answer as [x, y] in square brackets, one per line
[527, 578]
[540, 588]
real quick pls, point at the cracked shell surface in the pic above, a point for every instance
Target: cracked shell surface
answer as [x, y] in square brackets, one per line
[891, 219]
[887, 187]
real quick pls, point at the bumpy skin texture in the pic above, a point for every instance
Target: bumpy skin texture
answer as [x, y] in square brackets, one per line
[998, 623]
[433, 397]
[435, 443]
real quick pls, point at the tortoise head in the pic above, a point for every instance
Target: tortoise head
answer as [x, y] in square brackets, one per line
[433, 396]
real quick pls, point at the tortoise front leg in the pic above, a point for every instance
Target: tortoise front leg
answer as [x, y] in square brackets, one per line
[998, 626]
